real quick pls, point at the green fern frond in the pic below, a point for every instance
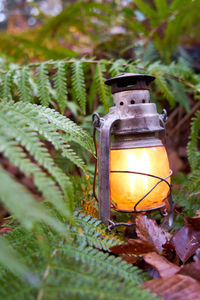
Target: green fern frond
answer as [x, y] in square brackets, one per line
[179, 94]
[162, 8]
[164, 87]
[73, 131]
[132, 68]
[28, 211]
[47, 122]
[92, 95]
[100, 85]
[78, 84]
[85, 280]
[18, 129]
[193, 183]
[109, 263]
[74, 270]
[10, 258]
[60, 83]
[93, 235]
[118, 67]
[43, 84]
[5, 89]
[23, 84]
[192, 148]
[146, 9]
[44, 183]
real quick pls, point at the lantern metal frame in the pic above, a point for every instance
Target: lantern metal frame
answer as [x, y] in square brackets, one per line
[135, 123]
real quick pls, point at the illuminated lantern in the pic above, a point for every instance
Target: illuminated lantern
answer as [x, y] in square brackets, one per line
[133, 169]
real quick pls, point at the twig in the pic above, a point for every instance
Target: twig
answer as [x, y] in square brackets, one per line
[172, 115]
[182, 121]
[155, 29]
[190, 85]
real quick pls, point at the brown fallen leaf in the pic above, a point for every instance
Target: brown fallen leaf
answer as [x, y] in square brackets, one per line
[175, 287]
[161, 264]
[136, 247]
[130, 259]
[192, 270]
[152, 237]
[193, 222]
[149, 232]
[187, 240]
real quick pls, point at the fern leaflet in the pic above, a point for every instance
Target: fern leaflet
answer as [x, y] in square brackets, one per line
[101, 87]
[78, 84]
[23, 84]
[60, 83]
[5, 90]
[43, 84]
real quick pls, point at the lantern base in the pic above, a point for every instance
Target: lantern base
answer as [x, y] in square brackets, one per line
[166, 210]
[139, 211]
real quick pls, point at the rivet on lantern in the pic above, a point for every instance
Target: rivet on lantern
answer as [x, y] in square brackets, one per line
[133, 170]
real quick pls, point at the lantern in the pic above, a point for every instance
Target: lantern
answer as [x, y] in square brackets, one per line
[133, 169]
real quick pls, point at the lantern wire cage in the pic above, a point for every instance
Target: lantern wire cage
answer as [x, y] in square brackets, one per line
[164, 213]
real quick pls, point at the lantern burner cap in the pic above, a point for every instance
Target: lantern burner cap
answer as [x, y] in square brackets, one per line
[129, 81]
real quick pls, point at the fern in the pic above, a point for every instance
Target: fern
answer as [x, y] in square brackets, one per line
[61, 85]
[162, 8]
[32, 144]
[44, 183]
[171, 79]
[118, 67]
[92, 95]
[43, 84]
[27, 210]
[78, 83]
[10, 258]
[164, 87]
[5, 90]
[23, 84]
[20, 125]
[100, 85]
[92, 234]
[179, 94]
[47, 122]
[69, 268]
[146, 9]
[192, 148]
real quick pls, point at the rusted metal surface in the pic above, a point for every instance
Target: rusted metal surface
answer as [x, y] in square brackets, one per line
[129, 81]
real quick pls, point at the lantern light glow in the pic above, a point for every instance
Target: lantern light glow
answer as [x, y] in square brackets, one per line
[128, 189]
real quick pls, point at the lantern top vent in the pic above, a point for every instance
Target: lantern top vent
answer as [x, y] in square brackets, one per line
[129, 81]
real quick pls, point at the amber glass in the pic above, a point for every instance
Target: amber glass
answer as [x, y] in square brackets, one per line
[128, 189]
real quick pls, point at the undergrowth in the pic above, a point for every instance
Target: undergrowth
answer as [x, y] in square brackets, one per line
[52, 252]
